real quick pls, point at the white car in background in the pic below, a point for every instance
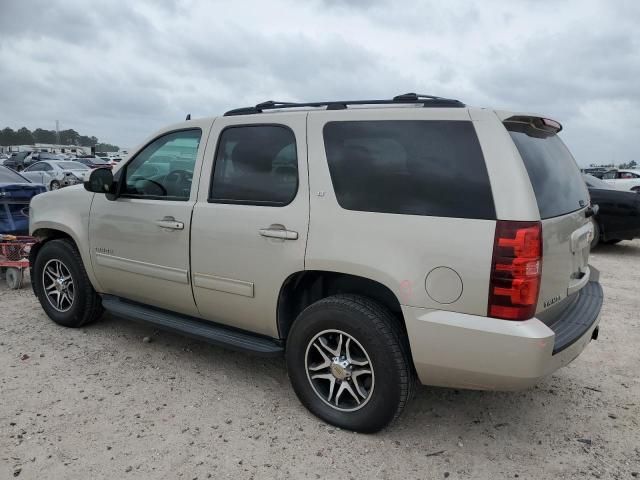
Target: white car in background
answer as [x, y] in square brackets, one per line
[56, 174]
[624, 179]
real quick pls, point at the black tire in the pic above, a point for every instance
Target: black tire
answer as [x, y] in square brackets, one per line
[612, 241]
[13, 277]
[596, 235]
[384, 342]
[86, 305]
[54, 185]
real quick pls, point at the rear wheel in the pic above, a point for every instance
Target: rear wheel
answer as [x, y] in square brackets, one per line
[348, 361]
[62, 285]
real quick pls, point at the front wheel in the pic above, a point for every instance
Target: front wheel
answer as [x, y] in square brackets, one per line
[54, 185]
[62, 286]
[349, 364]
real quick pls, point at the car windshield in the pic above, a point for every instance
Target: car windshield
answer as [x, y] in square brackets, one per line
[594, 182]
[72, 166]
[9, 176]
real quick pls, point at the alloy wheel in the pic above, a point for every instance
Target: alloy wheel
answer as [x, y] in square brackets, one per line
[339, 370]
[58, 285]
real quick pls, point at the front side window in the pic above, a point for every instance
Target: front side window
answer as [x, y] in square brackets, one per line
[255, 165]
[409, 167]
[163, 170]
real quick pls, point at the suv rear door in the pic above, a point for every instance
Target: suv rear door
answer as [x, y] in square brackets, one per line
[249, 226]
[562, 199]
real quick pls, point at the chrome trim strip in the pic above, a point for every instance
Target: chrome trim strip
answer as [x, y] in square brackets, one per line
[176, 275]
[222, 284]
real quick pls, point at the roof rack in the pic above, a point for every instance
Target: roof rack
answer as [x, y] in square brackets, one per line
[425, 100]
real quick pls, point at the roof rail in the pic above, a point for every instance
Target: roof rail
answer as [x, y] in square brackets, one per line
[425, 100]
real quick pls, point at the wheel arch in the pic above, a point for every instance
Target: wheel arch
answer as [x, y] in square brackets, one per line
[45, 233]
[303, 288]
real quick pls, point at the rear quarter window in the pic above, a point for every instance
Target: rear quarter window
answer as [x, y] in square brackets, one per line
[425, 167]
[554, 174]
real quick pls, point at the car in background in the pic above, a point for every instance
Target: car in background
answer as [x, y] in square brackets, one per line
[597, 172]
[55, 174]
[16, 192]
[618, 215]
[18, 161]
[623, 179]
[94, 162]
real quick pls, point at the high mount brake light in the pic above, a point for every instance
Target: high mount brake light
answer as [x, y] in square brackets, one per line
[516, 269]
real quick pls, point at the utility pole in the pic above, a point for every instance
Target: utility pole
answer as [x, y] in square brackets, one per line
[57, 132]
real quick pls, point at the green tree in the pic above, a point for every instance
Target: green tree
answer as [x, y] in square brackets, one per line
[44, 136]
[7, 137]
[69, 137]
[24, 137]
[106, 147]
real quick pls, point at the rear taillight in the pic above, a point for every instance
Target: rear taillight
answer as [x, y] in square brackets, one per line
[516, 269]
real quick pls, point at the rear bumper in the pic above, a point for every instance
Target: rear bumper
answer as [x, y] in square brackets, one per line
[467, 351]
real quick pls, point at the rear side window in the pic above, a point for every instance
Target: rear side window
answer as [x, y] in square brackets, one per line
[554, 175]
[425, 167]
[255, 165]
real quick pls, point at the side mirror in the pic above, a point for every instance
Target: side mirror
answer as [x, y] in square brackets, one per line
[100, 181]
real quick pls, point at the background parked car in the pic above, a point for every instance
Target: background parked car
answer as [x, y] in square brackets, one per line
[94, 162]
[618, 216]
[623, 179]
[15, 194]
[55, 174]
[17, 161]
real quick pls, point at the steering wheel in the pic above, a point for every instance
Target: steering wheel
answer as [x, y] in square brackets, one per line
[181, 175]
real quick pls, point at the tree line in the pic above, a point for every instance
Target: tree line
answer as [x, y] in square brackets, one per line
[70, 137]
[623, 166]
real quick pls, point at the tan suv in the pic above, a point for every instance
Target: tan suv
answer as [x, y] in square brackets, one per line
[371, 242]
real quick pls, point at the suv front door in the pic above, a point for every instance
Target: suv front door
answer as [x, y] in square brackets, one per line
[251, 219]
[140, 241]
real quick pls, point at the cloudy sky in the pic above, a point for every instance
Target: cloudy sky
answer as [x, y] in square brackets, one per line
[119, 69]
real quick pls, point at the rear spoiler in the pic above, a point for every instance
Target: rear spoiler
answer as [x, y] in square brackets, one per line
[532, 121]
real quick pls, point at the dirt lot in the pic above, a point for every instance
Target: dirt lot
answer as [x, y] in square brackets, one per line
[100, 403]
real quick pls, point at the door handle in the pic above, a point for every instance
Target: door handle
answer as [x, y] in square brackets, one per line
[170, 223]
[282, 233]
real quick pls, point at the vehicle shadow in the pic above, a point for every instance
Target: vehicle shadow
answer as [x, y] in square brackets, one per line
[626, 248]
[451, 413]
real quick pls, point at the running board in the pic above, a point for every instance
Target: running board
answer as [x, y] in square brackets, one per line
[209, 332]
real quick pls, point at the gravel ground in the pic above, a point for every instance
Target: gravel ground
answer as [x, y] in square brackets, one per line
[99, 402]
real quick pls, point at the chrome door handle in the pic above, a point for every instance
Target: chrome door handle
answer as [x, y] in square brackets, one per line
[281, 233]
[170, 223]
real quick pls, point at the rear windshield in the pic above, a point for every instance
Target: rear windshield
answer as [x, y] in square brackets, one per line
[72, 166]
[9, 176]
[555, 177]
[409, 167]
[594, 182]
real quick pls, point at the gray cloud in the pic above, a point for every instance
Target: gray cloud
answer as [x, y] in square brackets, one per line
[121, 69]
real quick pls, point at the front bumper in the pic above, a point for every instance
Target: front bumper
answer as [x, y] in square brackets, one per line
[467, 351]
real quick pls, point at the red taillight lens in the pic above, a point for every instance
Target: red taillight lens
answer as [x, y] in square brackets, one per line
[515, 270]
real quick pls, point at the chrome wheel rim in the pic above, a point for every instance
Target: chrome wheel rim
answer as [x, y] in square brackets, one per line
[339, 370]
[55, 185]
[58, 285]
